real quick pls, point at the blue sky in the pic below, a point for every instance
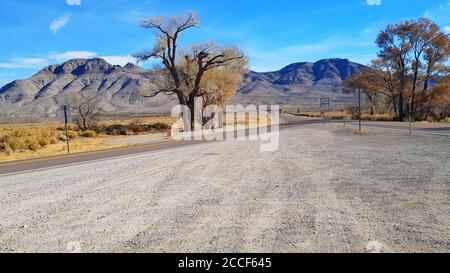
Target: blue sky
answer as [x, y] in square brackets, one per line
[273, 33]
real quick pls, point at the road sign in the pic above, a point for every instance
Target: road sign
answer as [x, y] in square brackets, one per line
[324, 105]
[324, 102]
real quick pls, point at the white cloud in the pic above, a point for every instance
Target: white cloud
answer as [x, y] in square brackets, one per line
[65, 56]
[374, 2]
[60, 57]
[119, 60]
[447, 29]
[114, 60]
[25, 63]
[59, 23]
[73, 2]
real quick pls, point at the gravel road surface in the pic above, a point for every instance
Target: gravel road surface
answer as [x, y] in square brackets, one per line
[325, 190]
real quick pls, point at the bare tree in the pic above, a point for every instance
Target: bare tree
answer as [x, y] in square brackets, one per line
[85, 107]
[374, 83]
[184, 77]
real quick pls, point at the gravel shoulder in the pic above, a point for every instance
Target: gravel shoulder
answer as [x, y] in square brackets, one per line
[140, 139]
[325, 190]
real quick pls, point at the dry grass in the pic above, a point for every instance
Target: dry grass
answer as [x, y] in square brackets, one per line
[144, 120]
[378, 117]
[310, 114]
[134, 126]
[337, 115]
[27, 137]
[76, 146]
[347, 116]
[89, 134]
[25, 141]
[366, 133]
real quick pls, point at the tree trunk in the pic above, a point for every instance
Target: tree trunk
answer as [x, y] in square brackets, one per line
[401, 114]
[413, 96]
[191, 106]
[394, 104]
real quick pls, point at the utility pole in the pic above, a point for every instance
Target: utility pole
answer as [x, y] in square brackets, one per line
[66, 121]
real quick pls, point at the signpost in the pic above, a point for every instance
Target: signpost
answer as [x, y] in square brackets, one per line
[66, 115]
[359, 110]
[324, 102]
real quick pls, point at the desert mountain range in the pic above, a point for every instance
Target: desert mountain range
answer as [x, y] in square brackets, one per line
[120, 87]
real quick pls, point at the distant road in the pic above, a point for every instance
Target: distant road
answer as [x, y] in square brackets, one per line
[417, 128]
[290, 121]
[438, 129]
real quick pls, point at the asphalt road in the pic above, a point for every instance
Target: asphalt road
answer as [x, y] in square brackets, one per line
[417, 128]
[65, 160]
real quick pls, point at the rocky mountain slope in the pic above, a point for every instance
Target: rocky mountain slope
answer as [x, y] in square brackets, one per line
[121, 87]
[299, 82]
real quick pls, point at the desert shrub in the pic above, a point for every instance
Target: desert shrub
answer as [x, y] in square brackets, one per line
[72, 134]
[336, 115]
[14, 143]
[309, 114]
[132, 128]
[378, 117]
[113, 130]
[43, 142]
[353, 111]
[159, 126]
[27, 138]
[89, 133]
[137, 126]
[33, 144]
[4, 148]
[63, 128]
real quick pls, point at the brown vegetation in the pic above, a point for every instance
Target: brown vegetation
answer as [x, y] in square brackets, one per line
[19, 138]
[85, 108]
[30, 140]
[410, 77]
[347, 115]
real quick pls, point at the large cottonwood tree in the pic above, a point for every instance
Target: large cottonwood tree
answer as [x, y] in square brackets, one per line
[412, 58]
[195, 72]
